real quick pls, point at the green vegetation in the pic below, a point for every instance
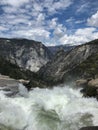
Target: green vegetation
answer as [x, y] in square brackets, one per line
[12, 70]
[86, 69]
[90, 66]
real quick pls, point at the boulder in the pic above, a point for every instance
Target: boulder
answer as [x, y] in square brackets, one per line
[91, 89]
[81, 82]
[11, 87]
[93, 83]
[23, 81]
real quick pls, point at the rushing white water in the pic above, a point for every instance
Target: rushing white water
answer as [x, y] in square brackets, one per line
[44, 109]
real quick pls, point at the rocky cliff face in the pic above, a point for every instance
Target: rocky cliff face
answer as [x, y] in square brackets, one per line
[28, 78]
[59, 67]
[25, 53]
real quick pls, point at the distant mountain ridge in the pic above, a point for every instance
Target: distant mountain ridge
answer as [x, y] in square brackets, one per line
[60, 68]
[55, 49]
[28, 54]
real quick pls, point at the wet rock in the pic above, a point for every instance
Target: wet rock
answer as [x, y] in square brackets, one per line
[11, 87]
[91, 88]
[93, 83]
[24, 82]
[81, 82]
[89, 92]
[90, 128]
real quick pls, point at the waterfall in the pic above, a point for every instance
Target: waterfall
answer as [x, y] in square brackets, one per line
[60, 108]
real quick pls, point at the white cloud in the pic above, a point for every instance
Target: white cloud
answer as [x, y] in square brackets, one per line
[31, 19]
[2, 28]
[80, 36]
[15, 3]
[85, 31]
[59, 31]
[83, 7]
[79, 21]
[38, 34]
[50, 5]
[40, 19]
[70, 20]
[93, 20]
[53, 7]
[53, 23]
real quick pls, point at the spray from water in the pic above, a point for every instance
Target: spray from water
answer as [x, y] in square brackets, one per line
[45, 109]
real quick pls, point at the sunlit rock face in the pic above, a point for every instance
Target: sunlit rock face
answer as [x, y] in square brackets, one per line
[25, 53]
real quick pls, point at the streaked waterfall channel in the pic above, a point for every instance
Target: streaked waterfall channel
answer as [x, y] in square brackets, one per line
[60, 108]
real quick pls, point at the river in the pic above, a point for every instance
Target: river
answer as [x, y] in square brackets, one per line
[60, 108]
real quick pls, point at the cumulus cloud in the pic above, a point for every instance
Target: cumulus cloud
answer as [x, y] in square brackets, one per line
[93, 20]
[38, 20]
[2, 28]
[53, 7]
[36, 34]
[15, 3]
[53, 23]
[59, 31]
[30, 18]
[80, 36]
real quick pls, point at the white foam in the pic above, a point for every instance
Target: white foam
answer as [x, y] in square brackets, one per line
[44, 109]
[23, 90]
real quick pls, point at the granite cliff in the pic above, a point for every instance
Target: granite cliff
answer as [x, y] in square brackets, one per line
[28, 54]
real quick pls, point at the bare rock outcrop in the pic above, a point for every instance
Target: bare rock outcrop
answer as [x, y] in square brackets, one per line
[93, 83]
[81, 82]
[27, 54]
[11, 87]
[89, 87]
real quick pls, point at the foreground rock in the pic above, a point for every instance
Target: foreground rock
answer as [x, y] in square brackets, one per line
[90, 128]
[11, 87]
[91, 90]
[89, 87]
[93, 83]
[23, 76]
[81, 83]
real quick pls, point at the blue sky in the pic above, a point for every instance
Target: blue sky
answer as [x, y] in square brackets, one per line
[53, 22]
